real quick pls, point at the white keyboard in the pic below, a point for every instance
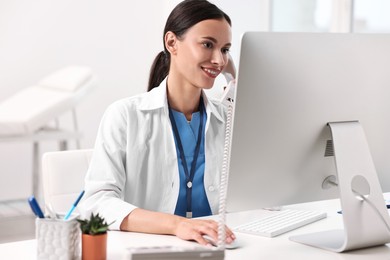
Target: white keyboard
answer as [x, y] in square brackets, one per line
[280, 222]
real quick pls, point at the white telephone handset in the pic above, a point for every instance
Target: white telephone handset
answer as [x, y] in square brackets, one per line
[228, 100]
[230, 75]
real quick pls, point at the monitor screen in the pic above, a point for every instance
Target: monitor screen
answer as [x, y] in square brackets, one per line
[289, 86]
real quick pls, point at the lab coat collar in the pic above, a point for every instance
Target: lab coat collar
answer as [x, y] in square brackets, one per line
[158, 99]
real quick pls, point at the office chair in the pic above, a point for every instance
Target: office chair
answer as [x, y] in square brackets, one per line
[32, 114]
[63, 174]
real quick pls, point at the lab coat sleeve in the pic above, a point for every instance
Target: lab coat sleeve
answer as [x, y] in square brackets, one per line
[106, 176]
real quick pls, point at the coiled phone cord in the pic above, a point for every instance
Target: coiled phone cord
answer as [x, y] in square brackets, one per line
[224, 179]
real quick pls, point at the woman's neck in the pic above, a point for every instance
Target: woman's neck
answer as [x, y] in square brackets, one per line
[183, 98]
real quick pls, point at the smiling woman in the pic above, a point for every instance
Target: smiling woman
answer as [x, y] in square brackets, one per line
[197, 58]
[158, 155]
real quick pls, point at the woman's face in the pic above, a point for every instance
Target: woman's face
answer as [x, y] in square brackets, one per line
[200, 55]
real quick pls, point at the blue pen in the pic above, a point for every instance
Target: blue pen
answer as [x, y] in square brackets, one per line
[35, 207]
[74, 205]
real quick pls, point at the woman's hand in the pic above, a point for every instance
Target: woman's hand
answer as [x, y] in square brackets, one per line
[194, 229]
[145, 221]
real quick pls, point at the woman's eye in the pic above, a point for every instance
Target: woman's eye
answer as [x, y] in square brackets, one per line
[225, 50]
[208, 45]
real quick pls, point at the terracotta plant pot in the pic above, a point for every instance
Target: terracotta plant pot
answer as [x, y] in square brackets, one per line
[94, 247]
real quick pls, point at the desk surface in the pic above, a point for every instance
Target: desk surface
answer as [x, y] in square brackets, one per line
[253, 247]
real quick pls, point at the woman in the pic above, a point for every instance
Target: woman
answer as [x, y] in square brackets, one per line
[158, 155]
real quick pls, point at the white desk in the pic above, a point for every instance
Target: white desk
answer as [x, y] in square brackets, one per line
[253, 247]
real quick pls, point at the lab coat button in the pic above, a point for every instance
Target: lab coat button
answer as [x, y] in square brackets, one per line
[211, 188]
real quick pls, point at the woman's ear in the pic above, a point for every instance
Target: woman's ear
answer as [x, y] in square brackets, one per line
[170, 40]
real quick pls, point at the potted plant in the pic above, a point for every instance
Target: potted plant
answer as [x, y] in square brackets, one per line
[94, 237]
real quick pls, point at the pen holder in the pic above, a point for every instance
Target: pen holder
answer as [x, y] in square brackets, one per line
[57, 238]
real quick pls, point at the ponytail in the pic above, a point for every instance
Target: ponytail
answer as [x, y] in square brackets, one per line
[159, 69]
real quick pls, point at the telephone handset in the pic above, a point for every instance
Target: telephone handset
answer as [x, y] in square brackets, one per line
[230, 70]
[229, 73]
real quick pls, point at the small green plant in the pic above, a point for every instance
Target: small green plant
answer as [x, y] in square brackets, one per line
[95, 225]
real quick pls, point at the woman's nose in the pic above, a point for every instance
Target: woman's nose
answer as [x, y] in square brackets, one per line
[219, 58]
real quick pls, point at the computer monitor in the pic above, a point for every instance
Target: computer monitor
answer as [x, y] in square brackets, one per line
[289, 87]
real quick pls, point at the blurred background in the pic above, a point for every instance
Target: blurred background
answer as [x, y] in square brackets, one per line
[119, 39]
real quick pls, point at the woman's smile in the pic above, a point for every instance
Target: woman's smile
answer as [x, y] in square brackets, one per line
[211, 72]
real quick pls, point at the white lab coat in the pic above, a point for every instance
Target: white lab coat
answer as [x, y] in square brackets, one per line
[134, 163]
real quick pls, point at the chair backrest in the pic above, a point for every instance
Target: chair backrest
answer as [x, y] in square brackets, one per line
[63, 176]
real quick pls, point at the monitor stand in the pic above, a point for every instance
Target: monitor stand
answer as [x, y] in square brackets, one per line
[365, 217]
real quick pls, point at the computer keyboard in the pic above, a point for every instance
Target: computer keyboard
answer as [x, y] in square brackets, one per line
[280, 222]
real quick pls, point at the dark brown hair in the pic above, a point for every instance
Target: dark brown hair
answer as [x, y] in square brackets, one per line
[185, 15]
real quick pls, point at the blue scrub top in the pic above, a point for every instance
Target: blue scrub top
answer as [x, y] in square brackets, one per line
[188, 132]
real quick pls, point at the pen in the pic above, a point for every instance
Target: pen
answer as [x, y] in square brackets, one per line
[35, 207]
[74, 205]
[49, 209]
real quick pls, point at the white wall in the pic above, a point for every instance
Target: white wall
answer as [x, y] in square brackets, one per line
[118, 39]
